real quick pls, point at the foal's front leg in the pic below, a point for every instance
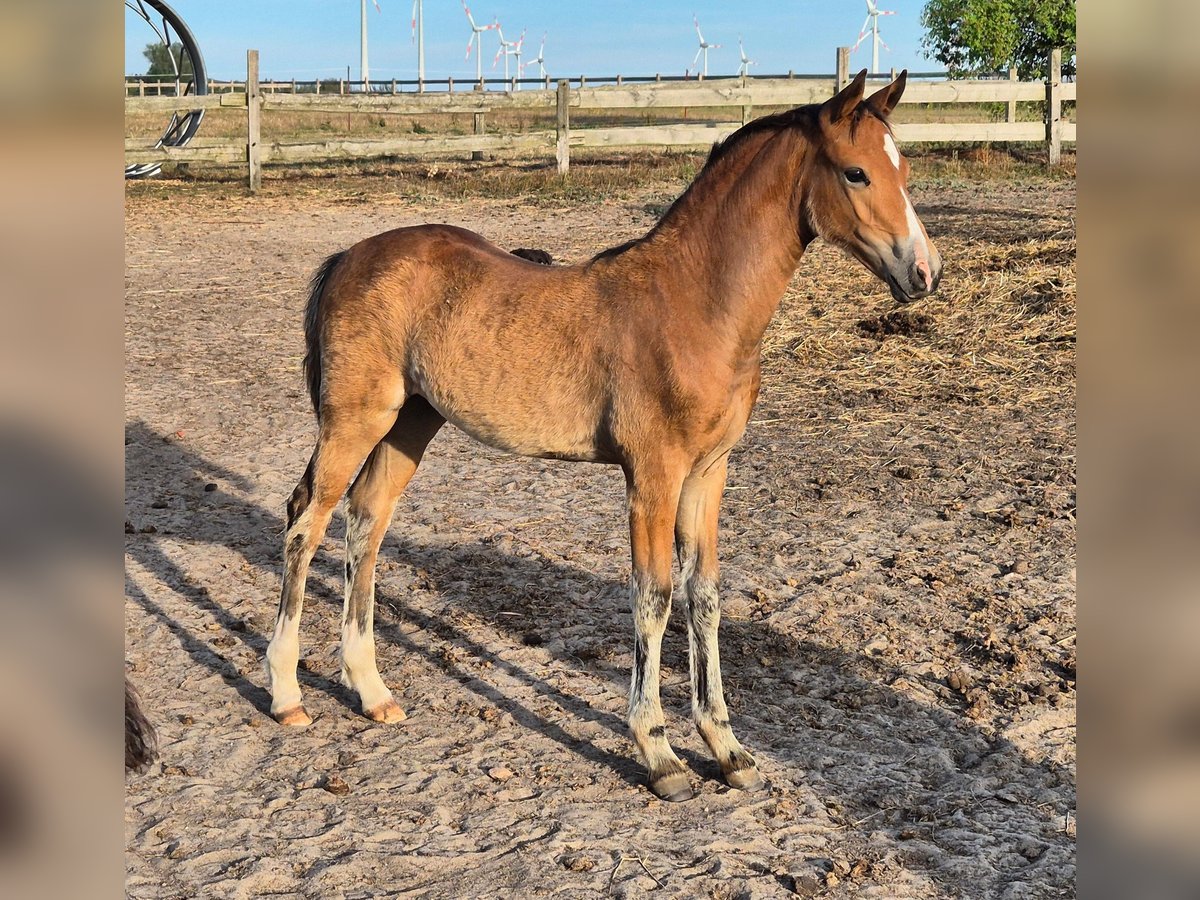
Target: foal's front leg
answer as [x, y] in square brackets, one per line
[652, 503]
[696, 538]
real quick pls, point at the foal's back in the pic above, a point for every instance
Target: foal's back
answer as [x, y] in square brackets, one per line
[520, 356]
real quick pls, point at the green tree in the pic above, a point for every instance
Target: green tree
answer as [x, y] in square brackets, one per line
[972, 37]
[160, 58]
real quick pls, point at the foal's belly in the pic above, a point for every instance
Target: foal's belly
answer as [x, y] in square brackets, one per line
[550, 417]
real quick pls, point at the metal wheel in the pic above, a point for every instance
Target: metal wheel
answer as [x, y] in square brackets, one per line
[170, 28]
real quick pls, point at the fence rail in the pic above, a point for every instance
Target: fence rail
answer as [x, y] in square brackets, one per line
[743, 93]
[152, 86]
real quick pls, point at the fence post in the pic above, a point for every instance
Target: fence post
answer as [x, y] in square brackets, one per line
[1054, 109]
[562, 123]
[1012, 104]
[843, 67]
[450, 84]
[745, 109]
[479, 128]
[253, 111]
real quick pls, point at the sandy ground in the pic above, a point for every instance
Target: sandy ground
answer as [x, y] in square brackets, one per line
[899, 631]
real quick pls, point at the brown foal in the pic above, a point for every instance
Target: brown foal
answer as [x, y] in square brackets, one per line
[646, 357]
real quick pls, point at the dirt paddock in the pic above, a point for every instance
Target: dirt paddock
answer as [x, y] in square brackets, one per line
[897, 542]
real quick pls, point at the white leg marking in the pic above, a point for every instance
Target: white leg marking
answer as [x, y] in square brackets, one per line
[283, 655]
[708, 696]
[359, 670]
[650, 608]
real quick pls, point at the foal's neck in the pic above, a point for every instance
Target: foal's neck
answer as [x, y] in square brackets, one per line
[733, 240]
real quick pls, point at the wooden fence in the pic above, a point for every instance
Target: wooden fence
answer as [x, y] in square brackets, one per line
[746, 93]
[165, 86]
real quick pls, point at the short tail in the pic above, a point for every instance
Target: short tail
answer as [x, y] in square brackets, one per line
[139, 733]
[312, 328]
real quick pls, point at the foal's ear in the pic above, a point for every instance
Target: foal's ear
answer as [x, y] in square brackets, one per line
[845, 101]
[884, 100]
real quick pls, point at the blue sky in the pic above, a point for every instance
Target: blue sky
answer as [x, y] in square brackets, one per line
[306, 39]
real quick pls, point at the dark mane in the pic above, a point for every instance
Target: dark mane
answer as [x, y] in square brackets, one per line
[802, 117]
[861, 112]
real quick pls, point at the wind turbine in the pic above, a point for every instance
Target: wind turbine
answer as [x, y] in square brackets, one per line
[873, 14]
[477, 40]
[418, 30]
[744, 68]
[507, 49]
[366, 78]
[704, 46]
[540, 59]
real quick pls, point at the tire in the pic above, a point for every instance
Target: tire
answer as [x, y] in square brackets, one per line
[181, 128]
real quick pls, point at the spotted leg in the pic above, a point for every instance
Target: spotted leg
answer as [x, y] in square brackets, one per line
[342, 445]
[653, 497]
[369, 510]
[696, 543]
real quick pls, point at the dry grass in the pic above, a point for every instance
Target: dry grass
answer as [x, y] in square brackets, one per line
[1002, 329]
[999, 336]
[594, 175]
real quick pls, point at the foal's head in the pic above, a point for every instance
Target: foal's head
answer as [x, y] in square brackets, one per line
[857, 194]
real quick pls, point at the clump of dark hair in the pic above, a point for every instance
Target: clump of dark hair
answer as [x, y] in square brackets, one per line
[541, 257]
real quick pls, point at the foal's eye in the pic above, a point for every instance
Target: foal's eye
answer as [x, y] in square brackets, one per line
[857, 176]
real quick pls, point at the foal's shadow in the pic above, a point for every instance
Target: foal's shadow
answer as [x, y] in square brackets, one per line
[467, 575]
[853, 694]
[171, 491]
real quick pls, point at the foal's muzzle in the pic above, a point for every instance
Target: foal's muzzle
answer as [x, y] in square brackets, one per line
[913, 281]
[911, 277]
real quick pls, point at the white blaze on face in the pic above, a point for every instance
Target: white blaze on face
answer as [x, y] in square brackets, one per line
[889, 147]
[919, 243]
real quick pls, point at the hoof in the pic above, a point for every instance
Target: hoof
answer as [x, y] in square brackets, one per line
[389, 713]
[745, 779]
[295, 717]
[674, 787]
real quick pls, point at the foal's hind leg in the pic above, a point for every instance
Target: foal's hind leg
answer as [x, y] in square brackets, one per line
[696, 540]
[343, 442]
[652, 504]
[369, 511]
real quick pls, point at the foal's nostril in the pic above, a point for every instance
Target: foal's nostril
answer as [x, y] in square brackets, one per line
[925, 277]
